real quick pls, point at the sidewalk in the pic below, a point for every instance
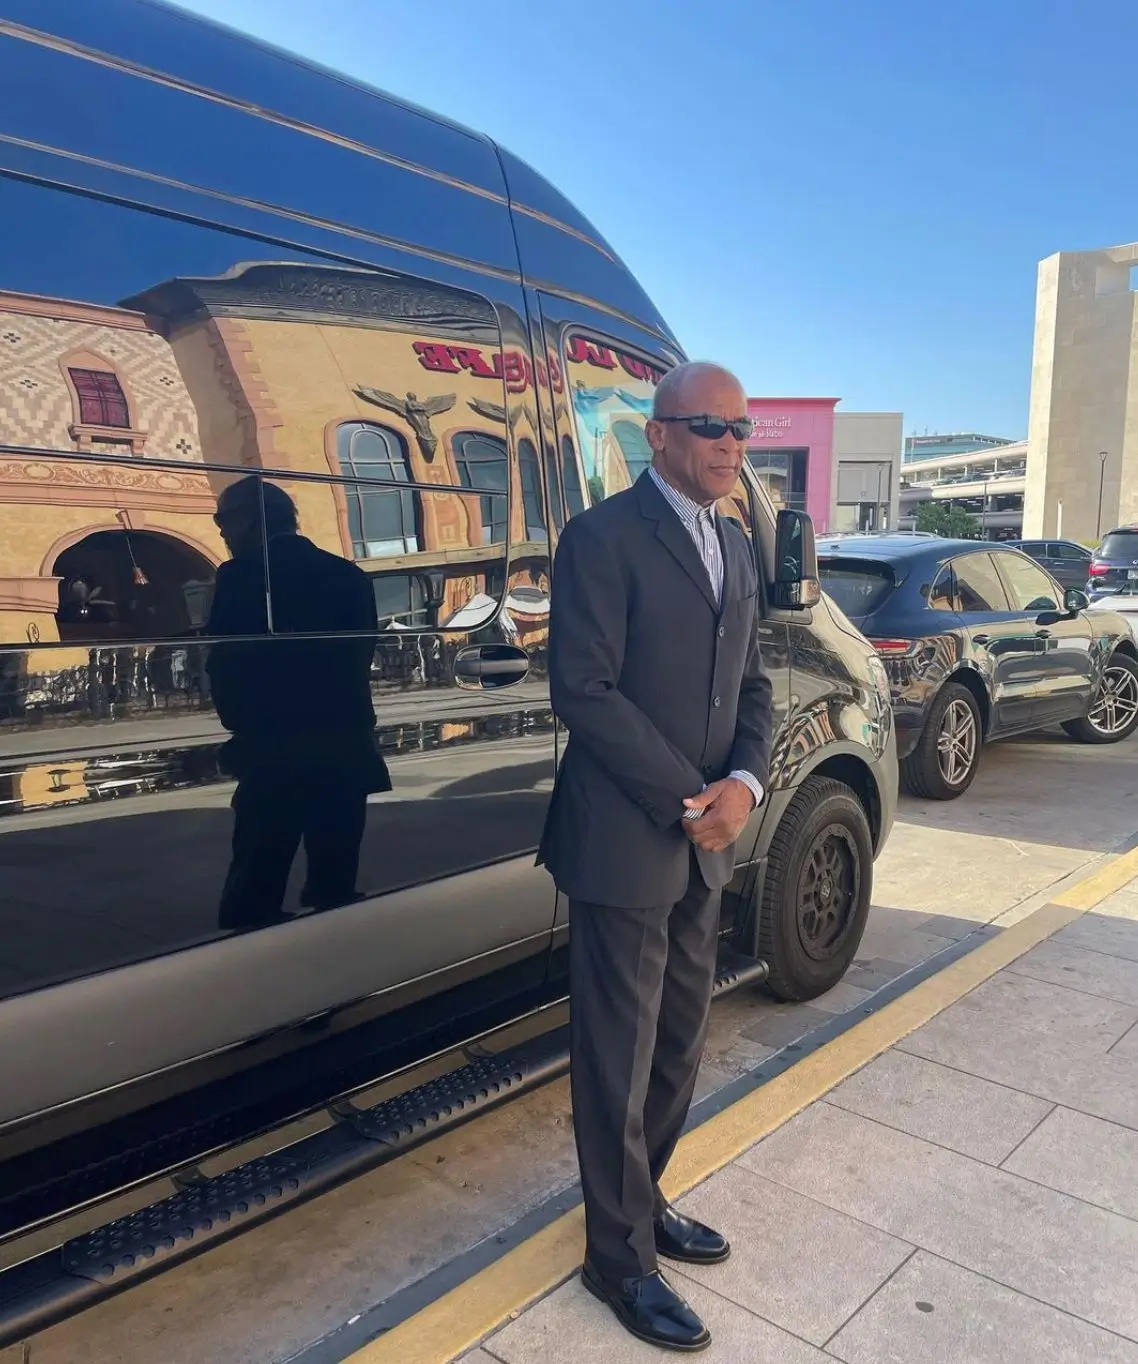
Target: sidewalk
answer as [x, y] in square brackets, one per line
[970, 1196]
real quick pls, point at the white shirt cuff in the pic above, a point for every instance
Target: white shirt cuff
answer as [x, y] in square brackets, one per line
[752, 784]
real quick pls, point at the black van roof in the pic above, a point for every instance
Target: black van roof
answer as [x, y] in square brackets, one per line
[172, 50]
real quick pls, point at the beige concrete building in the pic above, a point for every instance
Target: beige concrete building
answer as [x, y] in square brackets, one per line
[866, 470]
[1082, 468]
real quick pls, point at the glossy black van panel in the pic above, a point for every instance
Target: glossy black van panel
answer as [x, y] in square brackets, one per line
[112, 117]
[579, 261]
[156, 38]
[146, 365]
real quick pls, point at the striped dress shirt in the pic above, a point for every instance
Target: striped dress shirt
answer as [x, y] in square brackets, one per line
[699, 522]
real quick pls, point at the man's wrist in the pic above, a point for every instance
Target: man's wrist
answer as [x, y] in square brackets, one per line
[752, 783]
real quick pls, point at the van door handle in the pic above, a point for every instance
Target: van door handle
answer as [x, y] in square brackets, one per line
[1043, 634]
[490, 665]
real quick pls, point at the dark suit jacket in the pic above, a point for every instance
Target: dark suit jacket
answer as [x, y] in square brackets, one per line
[661, 691]
[297, 707]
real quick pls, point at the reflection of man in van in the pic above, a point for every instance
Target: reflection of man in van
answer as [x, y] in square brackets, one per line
[304, 749]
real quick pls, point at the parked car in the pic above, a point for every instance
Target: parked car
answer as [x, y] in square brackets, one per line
[1068, 563]
[1124, 603]
[980, 643]
[1115, 561]
[222, 263]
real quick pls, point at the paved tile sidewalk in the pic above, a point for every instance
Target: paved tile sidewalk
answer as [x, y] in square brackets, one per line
[970, 1197]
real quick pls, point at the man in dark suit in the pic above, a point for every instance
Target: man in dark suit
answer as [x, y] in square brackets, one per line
[655, 671]
[304, 749]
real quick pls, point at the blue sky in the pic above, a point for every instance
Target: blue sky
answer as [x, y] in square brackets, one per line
[834, 197]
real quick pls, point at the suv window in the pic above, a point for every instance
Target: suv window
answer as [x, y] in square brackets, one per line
[1061, 550]
[942, 594]
[1119, 544]
[1033, 547]
[857, 586]
[1029, 587]
[978, 585]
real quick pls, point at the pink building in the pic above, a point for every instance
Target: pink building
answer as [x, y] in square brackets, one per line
[792, 451]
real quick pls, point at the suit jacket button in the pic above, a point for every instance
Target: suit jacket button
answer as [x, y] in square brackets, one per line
[715, 701]
[722, 631]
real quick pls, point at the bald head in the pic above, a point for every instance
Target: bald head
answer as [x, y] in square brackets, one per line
[678, 391]
[701, 456]
[240, 509]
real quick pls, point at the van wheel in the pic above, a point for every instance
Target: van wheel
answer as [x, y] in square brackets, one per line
[1113, 715]
[946, 759]
[817, 888]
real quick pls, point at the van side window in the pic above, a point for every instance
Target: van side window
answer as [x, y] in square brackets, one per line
[611, 393]
[146, 358]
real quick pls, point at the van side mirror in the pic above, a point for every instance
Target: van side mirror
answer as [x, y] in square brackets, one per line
[796, 583]
[1076, 600]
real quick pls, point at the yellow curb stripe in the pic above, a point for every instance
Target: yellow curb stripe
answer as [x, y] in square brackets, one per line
[1092, 889]
[459, 1320]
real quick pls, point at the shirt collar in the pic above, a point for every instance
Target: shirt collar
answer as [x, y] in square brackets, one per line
[687, 510]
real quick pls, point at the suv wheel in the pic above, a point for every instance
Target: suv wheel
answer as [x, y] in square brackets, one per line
[944, 762]
[1113, 715]
[816, 892]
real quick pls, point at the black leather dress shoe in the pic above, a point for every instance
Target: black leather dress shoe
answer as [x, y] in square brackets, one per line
[680, 1238]
[650, 1309]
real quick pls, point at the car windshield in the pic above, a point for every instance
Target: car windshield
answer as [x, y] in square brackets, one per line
[858, 586]
[1119, 544]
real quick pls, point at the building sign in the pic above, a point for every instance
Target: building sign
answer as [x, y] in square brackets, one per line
[517, 372]
[771, 428]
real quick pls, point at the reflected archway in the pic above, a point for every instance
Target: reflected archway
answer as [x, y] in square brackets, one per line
[127, 584]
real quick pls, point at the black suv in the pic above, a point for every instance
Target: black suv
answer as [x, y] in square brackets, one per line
[1067, 562]
[980, 643]
[1115, 562]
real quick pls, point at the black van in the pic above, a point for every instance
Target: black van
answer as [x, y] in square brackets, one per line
[220, 264]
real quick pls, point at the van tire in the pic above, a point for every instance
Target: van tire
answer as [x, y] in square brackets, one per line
[922, 771]
[816, 892]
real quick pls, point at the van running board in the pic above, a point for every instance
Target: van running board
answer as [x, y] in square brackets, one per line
[89, 1268]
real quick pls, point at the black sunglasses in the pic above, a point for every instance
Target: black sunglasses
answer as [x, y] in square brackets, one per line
[714, 428]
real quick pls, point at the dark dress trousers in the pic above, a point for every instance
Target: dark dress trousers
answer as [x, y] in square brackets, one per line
[662, 690]
[304, 749]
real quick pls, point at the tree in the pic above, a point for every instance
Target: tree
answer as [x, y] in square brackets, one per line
[953, 522]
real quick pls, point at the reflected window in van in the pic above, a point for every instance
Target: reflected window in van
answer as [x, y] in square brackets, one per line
[381, 522]
[530, 474]
[482, 462]
[101, 399]
[453, 578]
[571, 478]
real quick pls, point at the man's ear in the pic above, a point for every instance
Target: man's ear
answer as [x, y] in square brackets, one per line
[655, 433]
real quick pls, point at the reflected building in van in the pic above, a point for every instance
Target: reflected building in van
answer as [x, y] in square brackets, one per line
[307, 372]
[97, 550]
